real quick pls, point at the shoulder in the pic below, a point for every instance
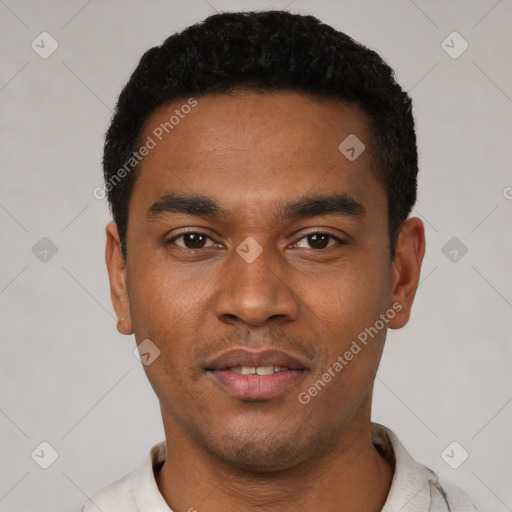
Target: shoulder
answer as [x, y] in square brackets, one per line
[135, 491]
[415, 486]
[116, 496]
[446, 497]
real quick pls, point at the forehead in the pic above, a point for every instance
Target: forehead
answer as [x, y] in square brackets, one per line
[253, 148]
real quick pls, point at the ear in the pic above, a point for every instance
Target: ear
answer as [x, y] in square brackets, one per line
[410, 249]
[116, 267]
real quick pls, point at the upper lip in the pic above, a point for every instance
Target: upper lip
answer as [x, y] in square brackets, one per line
[247, 358]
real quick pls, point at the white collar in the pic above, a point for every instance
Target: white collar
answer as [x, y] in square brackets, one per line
[146, 494]
[410, 488]
[411, 484]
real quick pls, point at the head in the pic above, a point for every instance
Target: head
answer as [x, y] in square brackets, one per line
[266, 51]
[291, 244]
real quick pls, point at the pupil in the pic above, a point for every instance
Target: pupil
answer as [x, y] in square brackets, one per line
[318, 240]
[191, 236]
[315, 237]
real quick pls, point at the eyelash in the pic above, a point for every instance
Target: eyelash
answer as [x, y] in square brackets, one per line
[330, 235]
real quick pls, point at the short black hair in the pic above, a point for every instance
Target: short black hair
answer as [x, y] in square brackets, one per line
[266, 51]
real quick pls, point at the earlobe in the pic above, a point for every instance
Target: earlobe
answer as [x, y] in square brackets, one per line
[410, 249]
[124, 327]
[116, 267]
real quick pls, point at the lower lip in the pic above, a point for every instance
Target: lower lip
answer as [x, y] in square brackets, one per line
[256, 387]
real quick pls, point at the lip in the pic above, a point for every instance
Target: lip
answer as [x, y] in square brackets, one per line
[243, 357]
[256, 387]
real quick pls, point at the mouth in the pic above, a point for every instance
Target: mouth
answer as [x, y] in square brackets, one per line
[258, 370]
[256, 376]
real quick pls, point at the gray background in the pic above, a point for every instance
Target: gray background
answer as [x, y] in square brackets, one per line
[68, 378]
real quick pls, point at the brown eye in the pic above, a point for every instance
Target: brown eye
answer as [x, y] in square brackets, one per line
[318, 240]
[191, 240]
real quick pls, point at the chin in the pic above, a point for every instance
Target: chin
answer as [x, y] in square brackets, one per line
[253, 459]
[263, 452]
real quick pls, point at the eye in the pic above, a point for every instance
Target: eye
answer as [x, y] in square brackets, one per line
[191, 240]
[318, 240]
[195, 240]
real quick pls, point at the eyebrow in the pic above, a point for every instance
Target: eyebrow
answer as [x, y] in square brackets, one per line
[339, 204]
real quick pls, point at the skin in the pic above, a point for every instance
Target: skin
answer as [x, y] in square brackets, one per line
[253, 152]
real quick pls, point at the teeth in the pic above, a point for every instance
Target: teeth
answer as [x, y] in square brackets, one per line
[258, 370]
[265, 370]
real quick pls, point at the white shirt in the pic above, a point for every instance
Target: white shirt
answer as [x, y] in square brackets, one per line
[414, 488]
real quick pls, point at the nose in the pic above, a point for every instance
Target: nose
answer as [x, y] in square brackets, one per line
[256, 288]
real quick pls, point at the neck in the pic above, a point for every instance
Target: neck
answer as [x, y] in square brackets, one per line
[349, 475]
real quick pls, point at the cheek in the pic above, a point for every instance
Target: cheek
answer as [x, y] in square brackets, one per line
[356, 292]
[347, 313]
[166, 313]
[159, 297]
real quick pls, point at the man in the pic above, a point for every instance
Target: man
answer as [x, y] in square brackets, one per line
[261, 168]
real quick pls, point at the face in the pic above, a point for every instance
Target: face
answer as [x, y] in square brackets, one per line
[255, 245]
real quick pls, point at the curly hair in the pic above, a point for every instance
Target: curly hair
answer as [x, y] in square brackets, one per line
[267, 51]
